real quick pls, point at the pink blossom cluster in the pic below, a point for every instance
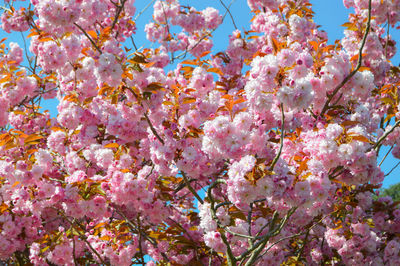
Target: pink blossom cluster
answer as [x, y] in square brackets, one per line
[15, 21]
[262, 154]
[196, 25]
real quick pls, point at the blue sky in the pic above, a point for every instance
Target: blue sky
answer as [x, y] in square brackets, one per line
[330, 14]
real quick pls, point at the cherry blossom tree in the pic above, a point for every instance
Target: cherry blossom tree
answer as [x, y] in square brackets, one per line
[262, 154]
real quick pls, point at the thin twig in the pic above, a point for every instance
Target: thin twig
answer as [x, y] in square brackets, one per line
[384, 136]
[249, 216]
[134, 44]
[73, 251]
[393, 169]
[83, 237]
[119, 10]
[143, 10]
[187, 183]
[146, 116]
[383, 159]
[230, 258]
[303, 245]
[352, 73]
[298, 234]
[230, 14]
[132, 227]
[87, 36]
[153, 129]
[387, 35]
[275, 160]
[140, 241]
[275, 231]
[183, 54]
[26, 53]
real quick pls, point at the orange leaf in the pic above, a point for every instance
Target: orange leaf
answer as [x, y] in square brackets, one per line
[154, 86]
[128, 75]
[3, 207]
[229, 105]
[187, 69]
[56, 129]
[227, 96]
[33, 33]
[19, 73]
[15, 184]
[188, 100]
[275, 44]
[19, 112]
[32, 138]
[315, 45]
[138, 58]
[355, 57]
[6, 78]
[45, 39]
[150, 64]
[253, 37]
[241, 100]
[189, 62]
[350, 123]
[363, 68]
[111, 145]
[167, 103]
[105, 238]
[84, 51]
[258, 53]
[92, 33]
[215, 70]
[361, 138]
[204, 54]
[99, 225]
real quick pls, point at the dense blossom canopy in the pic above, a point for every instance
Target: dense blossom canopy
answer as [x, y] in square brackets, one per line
[262, 154]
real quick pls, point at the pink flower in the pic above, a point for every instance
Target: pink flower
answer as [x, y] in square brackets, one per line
[77, 176]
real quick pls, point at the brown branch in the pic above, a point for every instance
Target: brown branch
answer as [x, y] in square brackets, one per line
[187, 183]
[83, 237]
[392, 169]
[387, 35]
[73, 252]
[183, 55]
[153, 129]
[352, 73]
[229, 12]
[386, 155]
[231, 258]
[132, 227]
[146, 116]
[119, 10]
[275, 160]
[384, 136]
[140, 241]
[143, 10]
[87, 36]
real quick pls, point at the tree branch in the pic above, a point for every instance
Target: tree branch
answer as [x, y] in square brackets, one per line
[187, 183]
[275, 160]
[183, 54]
[119, 10]
[153, 129]
[229, 12]
[392, 169]
[231, 258]
[384, 136]
[352, 73]
[273, 232]
[87, 36]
